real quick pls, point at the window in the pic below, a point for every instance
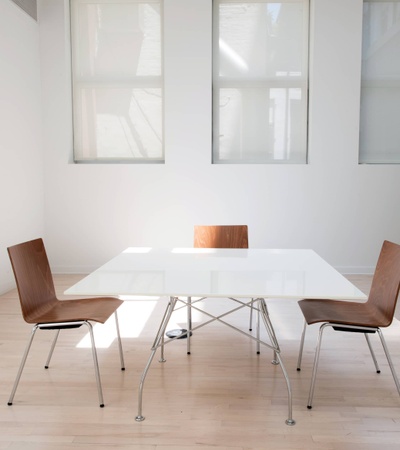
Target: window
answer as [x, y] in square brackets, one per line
[117, 80]
[380, 83]
[260, 81]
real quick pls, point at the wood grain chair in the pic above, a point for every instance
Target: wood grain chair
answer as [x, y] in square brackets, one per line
[41, 307]
[366, 318]
[221, 236]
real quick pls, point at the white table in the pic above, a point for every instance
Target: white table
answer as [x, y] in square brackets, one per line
[238, 274]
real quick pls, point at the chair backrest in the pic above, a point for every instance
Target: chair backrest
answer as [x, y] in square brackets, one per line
[33, 277]
[221, 236]
[386, 283]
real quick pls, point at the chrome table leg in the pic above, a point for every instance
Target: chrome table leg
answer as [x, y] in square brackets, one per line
[271, 333]
[157, 342]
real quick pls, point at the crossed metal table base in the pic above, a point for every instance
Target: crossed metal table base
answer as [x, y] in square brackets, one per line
[261, 307]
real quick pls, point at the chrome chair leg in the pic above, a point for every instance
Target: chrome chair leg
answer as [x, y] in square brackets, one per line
[258, 324]
[378, 370]
[53, 345]
[251, 314]
[189, 324]
[303, 335]
[21, 367]
[389, 359]
[96, 364]
[315, 367]
[121, 353]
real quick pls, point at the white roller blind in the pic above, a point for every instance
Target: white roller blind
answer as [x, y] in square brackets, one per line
[260, 81]
[380, 83]
[117, 80]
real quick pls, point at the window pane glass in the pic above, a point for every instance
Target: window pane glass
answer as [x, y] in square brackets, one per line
[380, 83]
[127, 123]
[117, 80]
[260, 125]
[260, 82]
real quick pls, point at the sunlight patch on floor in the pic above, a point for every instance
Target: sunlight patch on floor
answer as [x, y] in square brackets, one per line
[133, 315]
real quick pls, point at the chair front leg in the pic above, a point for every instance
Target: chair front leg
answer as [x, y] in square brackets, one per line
[389, 359]
[121, 354]
[315, 367]
[96, 365]
[258, 325]
[378, 370]
[53, 345]
[21, 367]
[303, 335]
[251, 314]
[189, 323]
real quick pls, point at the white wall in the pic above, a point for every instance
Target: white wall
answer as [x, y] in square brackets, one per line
[339, 208]
[21, 152]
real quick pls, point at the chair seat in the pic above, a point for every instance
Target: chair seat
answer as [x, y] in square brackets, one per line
[342, 312]
[91, 309]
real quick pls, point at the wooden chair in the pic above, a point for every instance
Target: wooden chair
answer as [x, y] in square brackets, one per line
[221, 236]
[367, 318]
[41, 307]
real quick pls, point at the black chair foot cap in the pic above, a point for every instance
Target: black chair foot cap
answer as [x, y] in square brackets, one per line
[188, 353]
[9, 404]
[102, 405]
[378, 371]
[250, 329]
[46, 367]
[122, 368]
[298, 369]
[258, 353]
[309, 407]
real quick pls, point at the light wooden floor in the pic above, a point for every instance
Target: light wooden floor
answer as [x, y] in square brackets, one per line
[223, 396]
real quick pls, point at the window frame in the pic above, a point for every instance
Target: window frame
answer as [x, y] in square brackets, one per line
[373, 89]
[269, 83]
[136, 82]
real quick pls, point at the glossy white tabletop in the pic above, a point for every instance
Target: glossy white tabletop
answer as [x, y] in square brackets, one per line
[218, 273]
